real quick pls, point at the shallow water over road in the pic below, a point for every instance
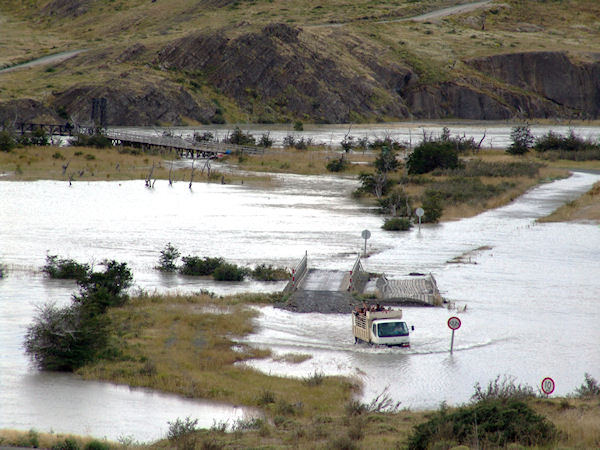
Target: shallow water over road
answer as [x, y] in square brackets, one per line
[532, 299]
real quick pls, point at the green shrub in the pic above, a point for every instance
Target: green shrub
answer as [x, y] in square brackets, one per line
[64, 268]
[431, 155]
[181, 427]
[7, 141]
[397, 203]
[433, 206]
[522, 140]
[487, 424]
[68, 444]
[58, 155]
[570, 143]
[97, 140]
[397, 224]
[195, 265]
[479, 168]
[264, 272]
[337, 165]
[238, 137]
[590, 388]
[168, 257]
[467, 190]
[97, 445]
[229, 272]
[101, 290]
[503, 389]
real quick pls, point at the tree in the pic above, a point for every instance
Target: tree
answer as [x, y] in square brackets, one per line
[432, 205]
[69, 337]
[378, 182]
[397, 203]
[522, 140]
[431, 155]
[7, 141]
[168, 256]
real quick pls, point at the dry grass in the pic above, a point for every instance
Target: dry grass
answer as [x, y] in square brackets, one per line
[173, 344]
[304, 162]
[585, 208]
[111, 164]
[32, 438]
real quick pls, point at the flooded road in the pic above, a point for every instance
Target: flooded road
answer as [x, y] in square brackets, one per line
[532, 298]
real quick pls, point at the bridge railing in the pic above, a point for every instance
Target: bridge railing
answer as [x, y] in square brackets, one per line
[358, 276]
[298, 273]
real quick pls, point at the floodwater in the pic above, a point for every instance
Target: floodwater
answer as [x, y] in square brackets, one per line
[532, 299]
[491, 134]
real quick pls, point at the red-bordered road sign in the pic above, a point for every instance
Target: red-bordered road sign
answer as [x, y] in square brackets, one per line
[454, 323]
[548, 385]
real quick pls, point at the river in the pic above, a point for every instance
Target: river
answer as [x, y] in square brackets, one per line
[410, 133]
[532, 300]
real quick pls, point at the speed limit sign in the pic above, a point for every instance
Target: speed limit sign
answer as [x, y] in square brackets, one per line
[454, 323]
[548, 385]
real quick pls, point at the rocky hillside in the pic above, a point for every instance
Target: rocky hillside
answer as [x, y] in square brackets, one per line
[473, 66]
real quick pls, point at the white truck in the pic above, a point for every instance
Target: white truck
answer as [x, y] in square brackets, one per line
[381, 327]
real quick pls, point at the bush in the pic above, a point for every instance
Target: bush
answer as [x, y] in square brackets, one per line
[265, 140]
[397, 224]
[397, 203]
[433, 207]
[101, 290]
[487, 424]
[66, 338]
[97, 445]
[97, 140]
[337, 165]
[67, 444]
[168, 257]
[264, 272]
[522, 140]
[238, 137]
[7, 141]
[590, 388]
[195, 265]
[431, 155]
[229, 272]
[479, 168]
[467, 190]
[64, 268]
[505, 389]
[571, 143]
[181, 428]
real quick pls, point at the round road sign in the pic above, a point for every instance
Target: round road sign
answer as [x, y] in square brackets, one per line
[366, 234]
[548, 385]
[419, 212]
[454, 323]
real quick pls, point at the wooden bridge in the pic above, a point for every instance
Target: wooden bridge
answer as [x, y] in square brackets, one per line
[318, 290]
[183, 147]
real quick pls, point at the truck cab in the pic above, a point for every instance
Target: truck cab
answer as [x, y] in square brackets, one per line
[381, 328]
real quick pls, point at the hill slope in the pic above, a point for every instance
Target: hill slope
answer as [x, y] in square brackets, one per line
[190, 61]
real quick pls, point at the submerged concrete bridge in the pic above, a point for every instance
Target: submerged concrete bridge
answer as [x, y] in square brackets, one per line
[329, 291]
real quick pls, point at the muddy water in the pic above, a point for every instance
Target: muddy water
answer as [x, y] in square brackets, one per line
[532, 299]
[532, 308]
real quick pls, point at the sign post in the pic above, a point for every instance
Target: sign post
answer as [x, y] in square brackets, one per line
[548, 386]
[366, 234]
[454, 324]
[420, 213]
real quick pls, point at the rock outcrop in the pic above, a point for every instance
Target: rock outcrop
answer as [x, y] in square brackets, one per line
[14, 112]
[279, 72]
[134, 105]
[553, 76]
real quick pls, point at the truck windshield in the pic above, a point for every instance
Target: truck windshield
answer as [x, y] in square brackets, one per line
[390, 329]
